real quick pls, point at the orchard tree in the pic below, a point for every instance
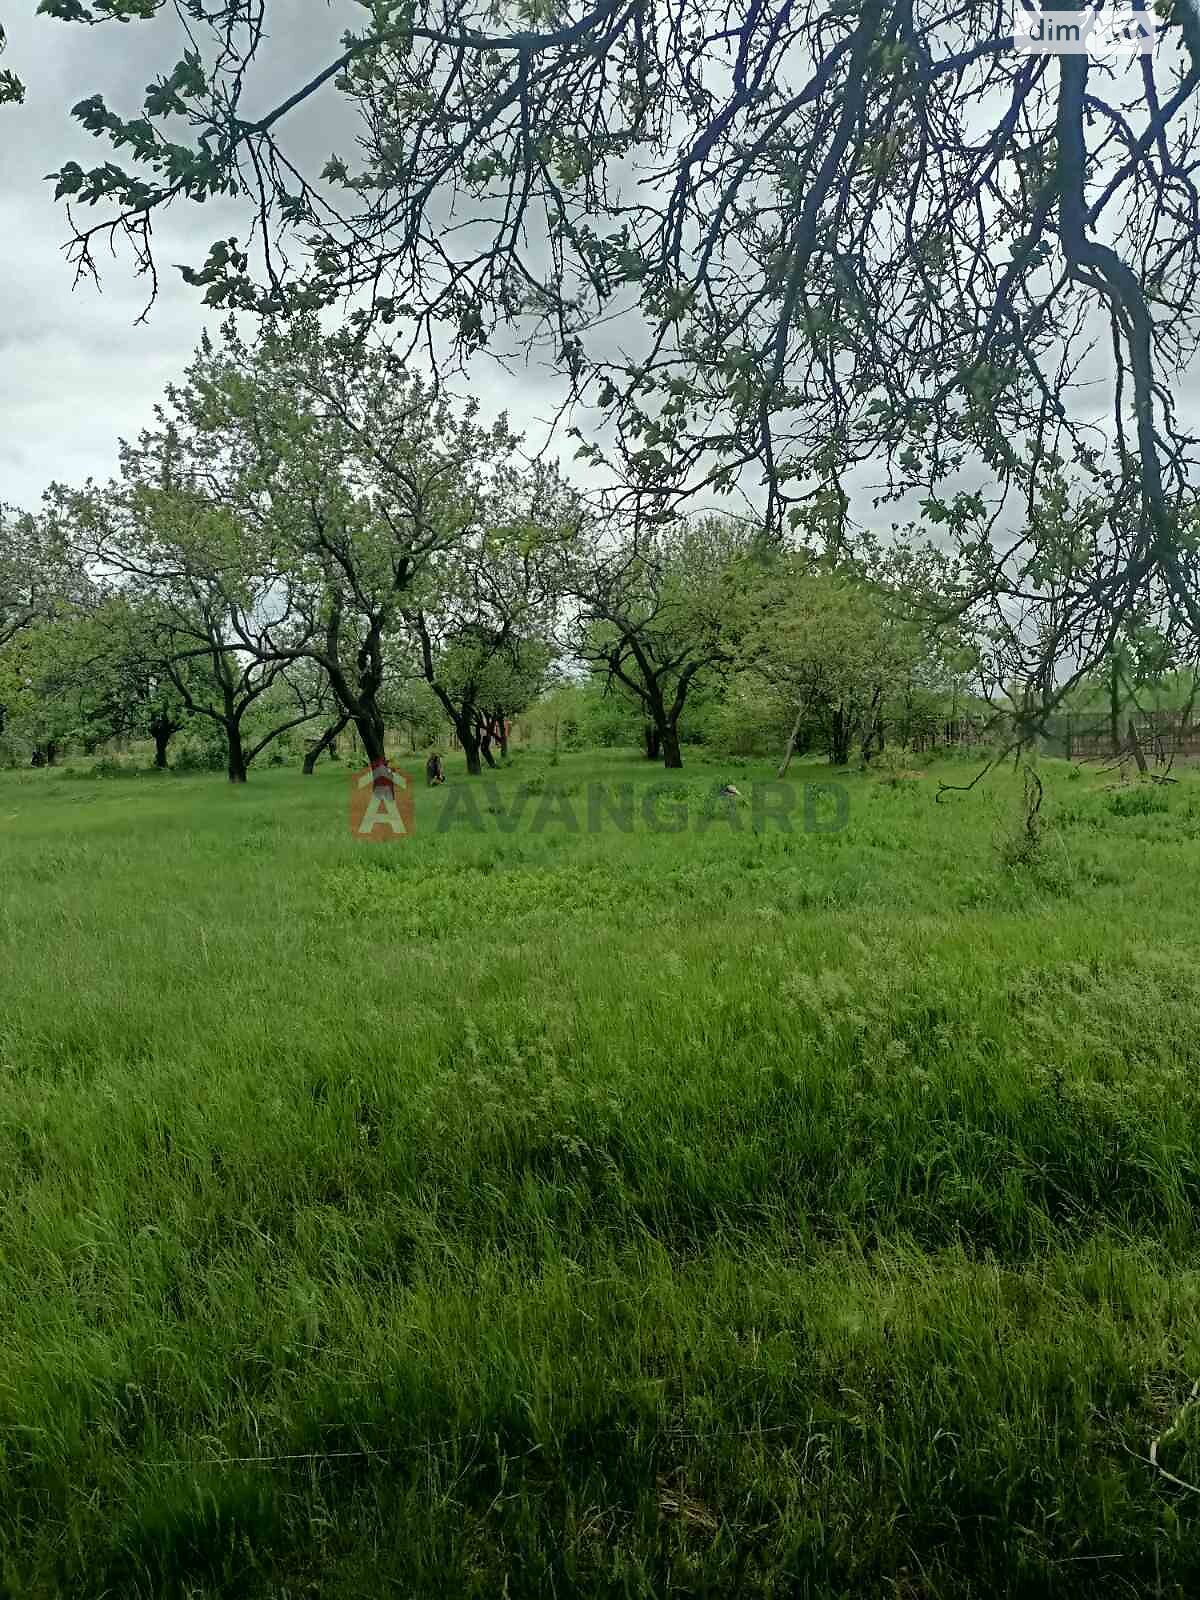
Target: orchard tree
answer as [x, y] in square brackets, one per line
[483, 675]
[131, 692]
[88, 676]
[355, 476]
[43, 695]
[656, 614]
[830, 234]
[130, 688]
[221, 682]
[208, 602]
[832, 649]
[481, 631]
[516, 678]
[39, 572]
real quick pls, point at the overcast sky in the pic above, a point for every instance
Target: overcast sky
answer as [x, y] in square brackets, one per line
[79, 371]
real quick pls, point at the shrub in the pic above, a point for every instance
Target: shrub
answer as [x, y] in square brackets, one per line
[1022, 846]
[891, 768]
[200, 758]
[1143, 801]
[114, 767]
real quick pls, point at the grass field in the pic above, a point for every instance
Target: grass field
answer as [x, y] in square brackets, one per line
[723, 1212]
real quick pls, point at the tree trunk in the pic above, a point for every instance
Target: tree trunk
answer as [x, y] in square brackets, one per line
[470, 743]
[327, 741]
[237, 756]
[51, 753]
[653, 742]
[370, 731]
[670, 747]
[502, 735]
[790, 747]
[1114, 708]
[839, 744]
[874, 729]
[1135, 745]
[163, 733]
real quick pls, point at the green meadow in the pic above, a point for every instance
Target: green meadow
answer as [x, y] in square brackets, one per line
[520, 1211]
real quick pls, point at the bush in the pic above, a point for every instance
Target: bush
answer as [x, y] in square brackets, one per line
[1022, 846]
[1144, 801]
[200, 758]
[14, 752]
[891, 767]
[114, 767]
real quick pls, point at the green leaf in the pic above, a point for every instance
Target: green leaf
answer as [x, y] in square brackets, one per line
[65, 11]
[70, 180]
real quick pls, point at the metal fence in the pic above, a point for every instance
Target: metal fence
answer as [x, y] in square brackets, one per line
[1090, 735]
[953, 733]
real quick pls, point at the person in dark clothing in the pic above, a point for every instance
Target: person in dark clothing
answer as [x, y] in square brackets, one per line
[433, 770]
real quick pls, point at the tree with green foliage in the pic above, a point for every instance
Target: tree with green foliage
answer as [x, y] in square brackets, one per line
[219, 681]
[43, 702]
[656, 613]
[832, 649]
[12, 90]
[834, 234]
[1146, 666]
[134, 693]
[208, 602]
[39, 572]
[87, 676]
[482, 676]
[482, 633]
[516, 677]
[354, 474]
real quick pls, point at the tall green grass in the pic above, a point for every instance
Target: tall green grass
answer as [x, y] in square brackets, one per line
[550, 1213]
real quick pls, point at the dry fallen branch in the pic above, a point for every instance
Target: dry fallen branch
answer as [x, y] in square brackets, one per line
[1169, 1433]
[674, 1501]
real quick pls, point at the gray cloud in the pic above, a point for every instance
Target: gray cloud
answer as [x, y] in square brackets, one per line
[77, 369]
